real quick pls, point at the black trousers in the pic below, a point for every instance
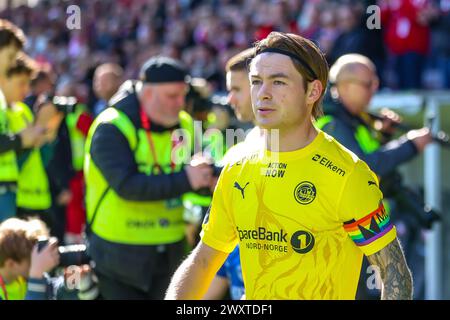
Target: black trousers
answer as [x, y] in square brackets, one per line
[143, 273]
[113, 289]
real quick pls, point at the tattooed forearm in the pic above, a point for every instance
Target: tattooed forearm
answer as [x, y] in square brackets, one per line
[394, 272]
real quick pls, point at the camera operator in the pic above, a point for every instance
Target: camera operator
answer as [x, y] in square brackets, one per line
[134, 186]
[12, 41]
[354, 82]
[42, 84]
[33, 194]
[66, 166]
[22, 268]
[25, 265]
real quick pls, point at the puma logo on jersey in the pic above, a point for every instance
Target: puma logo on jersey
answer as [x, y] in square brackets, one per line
[372, 183]
[237, 186]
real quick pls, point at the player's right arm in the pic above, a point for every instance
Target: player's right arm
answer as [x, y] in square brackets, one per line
[217, 289]
[194, 275]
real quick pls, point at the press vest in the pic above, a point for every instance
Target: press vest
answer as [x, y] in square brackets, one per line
[135, 222]
[32, 184]
[77, 139]
[366, 141]
[8, 164]
[16, 290]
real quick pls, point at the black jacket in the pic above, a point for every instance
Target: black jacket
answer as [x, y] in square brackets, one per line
[384, 160]
[132, 265]
[10, 142]
[114, 158]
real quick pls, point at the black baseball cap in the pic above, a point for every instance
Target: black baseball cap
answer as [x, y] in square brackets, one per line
[163, 69]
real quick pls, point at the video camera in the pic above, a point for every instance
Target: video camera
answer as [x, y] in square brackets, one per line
[408, 200]
[197, 101]
[440, 137]
[69, 255]
[200, 100]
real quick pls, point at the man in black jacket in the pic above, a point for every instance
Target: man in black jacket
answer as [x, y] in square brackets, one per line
[134, 183]
[354, 82]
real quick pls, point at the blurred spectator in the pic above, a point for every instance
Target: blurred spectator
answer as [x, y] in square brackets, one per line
[12, 40]
[33, 195]
[327, 33]
[352, 36]
[407, 36]
[201, 32]
[78, 121]
[42, 83]
[107, 79]
[440, 55]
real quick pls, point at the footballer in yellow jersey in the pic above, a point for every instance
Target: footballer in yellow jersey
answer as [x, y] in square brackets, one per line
[299, 220]
[303, 208]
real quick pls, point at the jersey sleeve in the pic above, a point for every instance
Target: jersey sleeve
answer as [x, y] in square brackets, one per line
[219, 229]
[362, 212]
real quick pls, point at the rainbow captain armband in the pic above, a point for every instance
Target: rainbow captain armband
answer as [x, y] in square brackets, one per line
[366, 231]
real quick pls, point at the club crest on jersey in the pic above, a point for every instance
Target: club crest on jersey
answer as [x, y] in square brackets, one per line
[305, 192]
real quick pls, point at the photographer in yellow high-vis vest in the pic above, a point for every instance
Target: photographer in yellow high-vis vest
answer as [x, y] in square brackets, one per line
[134, 183]
[33, 194]
[12, 41]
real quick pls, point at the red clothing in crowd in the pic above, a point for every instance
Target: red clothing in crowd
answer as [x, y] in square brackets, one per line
[75, 211]
[403, 32]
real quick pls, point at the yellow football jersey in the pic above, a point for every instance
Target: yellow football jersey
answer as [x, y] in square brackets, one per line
[303, 220]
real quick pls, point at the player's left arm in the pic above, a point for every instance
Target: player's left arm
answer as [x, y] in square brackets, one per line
[394, 272]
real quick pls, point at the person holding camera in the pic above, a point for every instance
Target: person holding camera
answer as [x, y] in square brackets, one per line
[33, 194]
[12, 41]
[68, 175]
[23, 267]
[27, 255]
[353, 83]
[134, 183]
